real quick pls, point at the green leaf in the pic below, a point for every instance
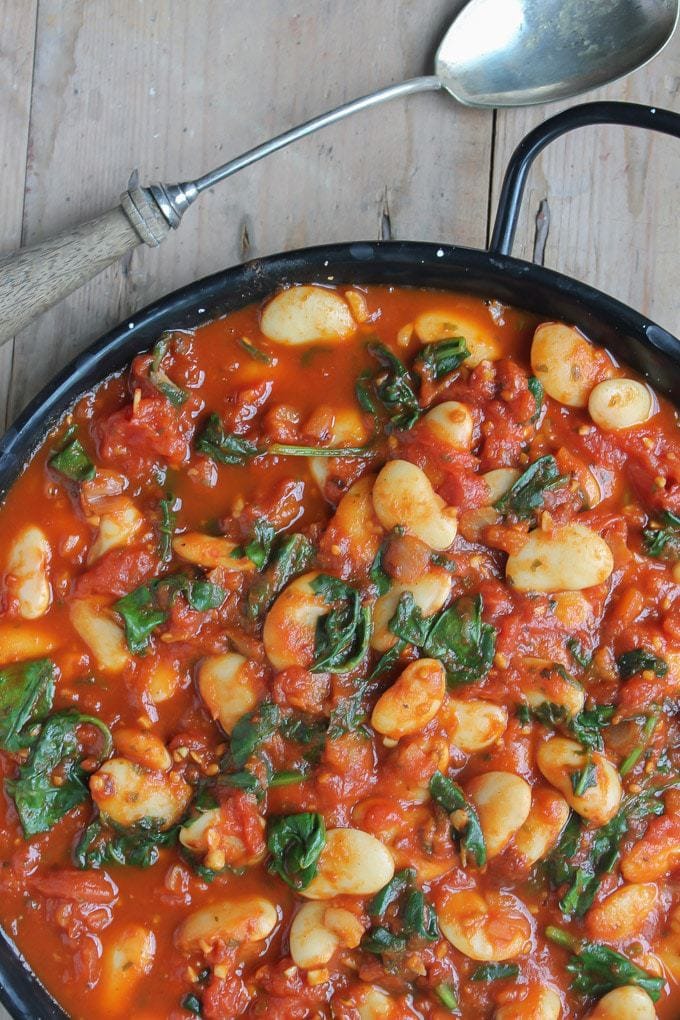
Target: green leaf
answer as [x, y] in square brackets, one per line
[439, 359]
[158, 377]
[597, 969]
[291, 556]
[528, 493]
[631, 760]
[637, 661]
[587, 726]
[419, 917]
[138, 847]
[348, 715]
[495, 972]
[224, 447]
[71, 460]
[166, 528]
[255, 353]
[536, 390]
[393, 387]
[39, 802]
[243, 780]
[462, 642]
[192, 1004]
[451, 798]
[26, 696]
[382, 940]
[390, 893]
[664, 542]
[380, 579]
[144, 608]
[408, 622]
[447, 996]
[342, 634]
[251, 731]
[295, 843]
[558, 865]
[386, 661]
[583, 780]
[259, 548]
[579, 655]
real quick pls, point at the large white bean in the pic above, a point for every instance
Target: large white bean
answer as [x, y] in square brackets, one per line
[319, 930]
[560, 758]
[539, 835]
[125, 961]
[623, 913]
[441, 324]
[289, 632]
[473, 725]
[503, 801]
[303, 315]
[352, 863]
[230, 686]
[668, 949]
[374, 1004]
[250, 919]
[451, 423]
[142, 747]
[403, 497]
[500, 481]
[92, 619]
[628, 1003]
[430, 593]
[210, 551]
[355, 528]
[126, 793]
[554, 689]
[27, 577]
[491, 928]
[211, 833]
[118, 525]
[569, 558]
[566, 365]
[18, 642]
[620, 404]
[348, 430]
[412, 701]
[538, 1004]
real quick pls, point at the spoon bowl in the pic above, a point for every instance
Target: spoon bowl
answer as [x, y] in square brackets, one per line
[522, 52]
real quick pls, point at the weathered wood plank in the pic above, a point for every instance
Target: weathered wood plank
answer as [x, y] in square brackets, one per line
[174, 89]
[16, 72]
[613, 194]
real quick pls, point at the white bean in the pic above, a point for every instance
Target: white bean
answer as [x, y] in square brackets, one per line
[503, 801]
[163, 680]
[554, 689]
[484, 929]
[560, 758]
[119, 522]
[18, 642]
[566, 365]
[289, 633]
[623, 913]
[403, 497]
[569, 558]
[27, 577]
[355, 527]
[412, 701]
[451, 423]
[627, 1003]
[319, 930]
[106, 640]
[125, 961]
[430, 593]
[374, 1004]
[352, 863]
[210, 833]
[539, 835]
[440, 324]
[348, 430]
[125, 792]
[539, 1004]
[250, 919]
[142, 747]
[473, 725]
[303, 315]
[230, 687]
[668, 948]
[210, 551]
[500, 481]
[620, 404]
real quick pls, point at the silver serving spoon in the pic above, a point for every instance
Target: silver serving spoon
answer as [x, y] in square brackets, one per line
[495, 53]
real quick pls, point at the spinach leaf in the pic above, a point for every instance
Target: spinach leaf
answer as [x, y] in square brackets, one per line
[495, 972]
[142, 610]
[597, 968]
[391, 892]
[419, 917]
[71, 460]
[255, 353]
[222, 446]
[348, 715]
[464, 820]
[580, 656]
[528, 493]
[536, 390]
[441, 358]
[259, 548]
[26, 696]
[40, 803]
[447, 996]
[382, 940]
[637, 661]
[243, 780]
[192, 1004]
[158, 377]
[462, 642]
[295, 843]
[136, 847]
[664, 542]
[408, 622]
[290, 557]
[584, 779]
[387, 660]
[631, 760]
[558, 866]
[251, 731]
[587, 726]
[166, 528]
[393, 387]
[289, 777]
[380, 579]
[342, 634]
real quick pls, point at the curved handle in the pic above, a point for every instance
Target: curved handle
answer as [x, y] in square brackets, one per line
[33, 279]
[514, 182]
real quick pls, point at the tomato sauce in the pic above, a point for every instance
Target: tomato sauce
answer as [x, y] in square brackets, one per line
[390, 733]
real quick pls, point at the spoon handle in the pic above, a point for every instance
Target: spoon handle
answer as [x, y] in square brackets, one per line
[33, 279]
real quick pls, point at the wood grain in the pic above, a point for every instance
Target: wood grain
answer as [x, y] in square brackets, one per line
[613, 195]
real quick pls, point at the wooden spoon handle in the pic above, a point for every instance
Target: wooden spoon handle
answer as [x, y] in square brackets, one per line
[33, 279]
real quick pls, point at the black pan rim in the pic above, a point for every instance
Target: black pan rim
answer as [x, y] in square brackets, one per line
[403, 263]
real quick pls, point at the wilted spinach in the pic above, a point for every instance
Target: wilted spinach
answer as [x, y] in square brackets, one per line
[291, 556]
[159, 378]
[637, 661]
[343, 633]
[71, 460]
[138, 847]
[26, 695]
[296, 843]
[145, 608]
[664, 542]
[222, 446]
[466, 827]
[439, 359]
[597, 969]
[528, 493]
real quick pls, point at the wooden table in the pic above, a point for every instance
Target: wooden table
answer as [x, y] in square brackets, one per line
[101, 89]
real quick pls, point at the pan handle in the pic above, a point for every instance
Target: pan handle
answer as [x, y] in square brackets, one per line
[510, 202]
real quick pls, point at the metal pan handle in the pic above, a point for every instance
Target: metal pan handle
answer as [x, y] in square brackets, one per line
[521, 161]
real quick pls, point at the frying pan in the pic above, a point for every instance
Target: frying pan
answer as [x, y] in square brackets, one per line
[493, 274]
